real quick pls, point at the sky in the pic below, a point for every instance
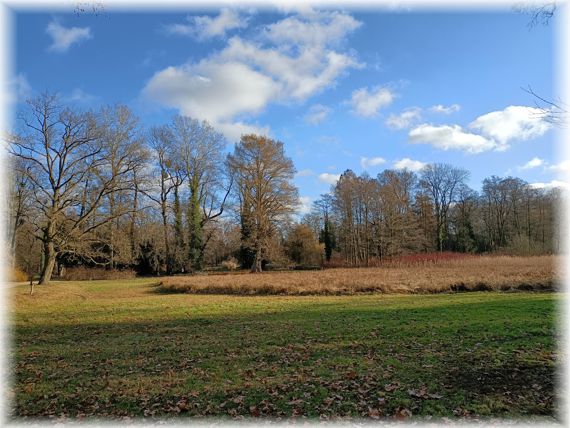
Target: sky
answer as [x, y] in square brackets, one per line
[364, 89]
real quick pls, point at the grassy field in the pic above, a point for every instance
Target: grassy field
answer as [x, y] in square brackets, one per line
[461, 274]
[122, 349]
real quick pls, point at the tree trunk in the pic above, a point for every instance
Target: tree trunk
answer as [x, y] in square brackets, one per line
[49, 264]
[194, 227]
[256, 267]
[168, 257]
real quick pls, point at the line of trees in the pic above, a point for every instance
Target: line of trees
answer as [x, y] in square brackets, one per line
[97, 189]
[401, 212]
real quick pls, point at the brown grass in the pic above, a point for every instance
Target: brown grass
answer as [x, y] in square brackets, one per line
[467, 274]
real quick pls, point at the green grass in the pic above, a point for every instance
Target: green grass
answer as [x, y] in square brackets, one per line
[120, 348]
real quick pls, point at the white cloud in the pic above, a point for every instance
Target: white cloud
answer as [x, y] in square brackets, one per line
[78, 95]
[563, 166]
[445, 109]
[316, 114]
[18, 89]
[230, 89]
[533, 163]
[367, 103]
[244, 77]
[551, 185]
[300, 74]
[234, 130]
[207, 27]
[305, 173]
[63, 38]
[492, 131]
[312, 28]
[450, 137]
[511, 124]
[407, 163]
[325, 177]
[305, 204]
[405, 119]
[371, 162]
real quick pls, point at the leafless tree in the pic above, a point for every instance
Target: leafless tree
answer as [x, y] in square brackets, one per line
[200, 150]
[62, 150]
[122, 144]
[442, 182]
[540, 13]
[263, 176]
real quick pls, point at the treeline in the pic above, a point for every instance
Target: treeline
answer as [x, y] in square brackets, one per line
[401, 212]
[97, 189]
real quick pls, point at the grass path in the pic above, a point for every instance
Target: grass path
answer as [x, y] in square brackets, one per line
[119, 348]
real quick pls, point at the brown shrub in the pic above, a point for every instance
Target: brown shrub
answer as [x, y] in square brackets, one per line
[466, 274]
[16, 275]
[230, 264]
[82, 273]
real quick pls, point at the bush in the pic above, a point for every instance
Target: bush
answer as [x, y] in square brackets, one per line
[83, 273]
[16, 275]
[303, 247]
[230, 264]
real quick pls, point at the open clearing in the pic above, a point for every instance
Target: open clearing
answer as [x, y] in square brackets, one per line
[119, 348]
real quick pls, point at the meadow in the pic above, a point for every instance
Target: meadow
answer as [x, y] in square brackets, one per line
[124, 349]
[465, 273]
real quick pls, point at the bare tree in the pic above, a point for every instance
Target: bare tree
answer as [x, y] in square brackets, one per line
[555, 113]
[200, 149]
[123, 146]
[539, 13]
[263, 175]
[61, 148]
[19, 202]
[442, 182]
[160, 139]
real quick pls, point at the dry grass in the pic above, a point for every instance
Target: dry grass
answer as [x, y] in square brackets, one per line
[468, 274]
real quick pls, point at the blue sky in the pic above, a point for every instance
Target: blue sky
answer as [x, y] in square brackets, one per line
[359, 89]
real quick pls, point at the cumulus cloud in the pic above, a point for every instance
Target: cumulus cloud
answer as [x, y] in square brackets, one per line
[207, 27]
[563, 166]
[78, 95]
[405, 119]
[312, 28]
[234, 130]
[450, 137]
[491, 131]
[305, 173]
[533, 163]
[245, 76]
[550, 185]
[511, 124]
[216, 92]
[300, 74]
[63, 38]
[316, 114]
[371, 162]
[438, 108]
[407, 163]
[367, 102]
[328, 178]
[18, 89]
[304, 204]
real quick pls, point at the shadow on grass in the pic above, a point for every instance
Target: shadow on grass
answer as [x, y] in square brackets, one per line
[490, 358]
